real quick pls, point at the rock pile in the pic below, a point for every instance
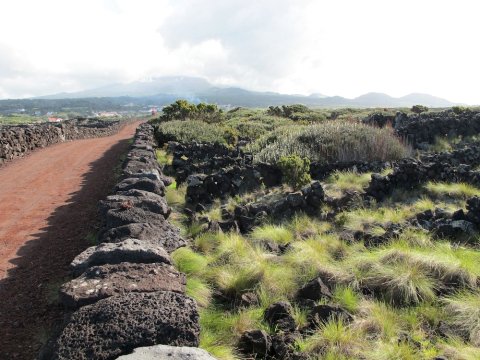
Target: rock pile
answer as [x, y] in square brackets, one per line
[203, 189]
[279, 344]
[409, 173]
[127, 294]
[198, 158]
[18, 140]
[307, 200]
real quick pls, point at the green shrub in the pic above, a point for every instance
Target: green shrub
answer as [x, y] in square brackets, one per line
[417, 109]
[330, 141]
[459, 109]
[295, 170]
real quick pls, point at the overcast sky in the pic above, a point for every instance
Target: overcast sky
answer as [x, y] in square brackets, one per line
[333, 47]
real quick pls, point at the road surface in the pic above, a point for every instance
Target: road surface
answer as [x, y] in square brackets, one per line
[48, 215]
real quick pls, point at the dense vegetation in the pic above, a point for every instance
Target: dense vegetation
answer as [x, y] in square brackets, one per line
[330, 141]
[282, 131]
[413, 296]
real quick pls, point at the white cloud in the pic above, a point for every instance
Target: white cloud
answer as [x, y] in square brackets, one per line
[342, 47]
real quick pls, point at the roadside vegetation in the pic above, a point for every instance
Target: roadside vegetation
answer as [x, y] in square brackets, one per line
[413, 295]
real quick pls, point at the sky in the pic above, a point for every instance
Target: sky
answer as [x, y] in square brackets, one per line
[332, 47]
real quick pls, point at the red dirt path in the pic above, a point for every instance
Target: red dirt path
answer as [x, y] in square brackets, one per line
[47, 213]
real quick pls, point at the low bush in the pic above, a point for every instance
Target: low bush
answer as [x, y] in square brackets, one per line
[330, 141]
[295, 171]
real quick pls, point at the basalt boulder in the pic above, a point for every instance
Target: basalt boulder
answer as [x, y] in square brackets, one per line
[315, 289]
[129, 215]
[129, 250]
[321, 314]
[144, 200]
[167, 352]
[255, 343]
[161, 233]
[104, 281]
[279, 316]
[141, 183]
[115, 326]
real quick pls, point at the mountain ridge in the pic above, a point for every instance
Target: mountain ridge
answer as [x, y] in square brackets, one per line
[198, 89]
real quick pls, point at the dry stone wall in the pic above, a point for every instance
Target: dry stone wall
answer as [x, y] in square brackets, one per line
[455, 166]
[126, 293]
[18, 140]
[422, 129]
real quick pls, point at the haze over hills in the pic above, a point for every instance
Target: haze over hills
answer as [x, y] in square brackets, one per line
[162, 90]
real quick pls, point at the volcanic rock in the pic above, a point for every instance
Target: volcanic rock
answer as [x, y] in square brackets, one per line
[100, 282]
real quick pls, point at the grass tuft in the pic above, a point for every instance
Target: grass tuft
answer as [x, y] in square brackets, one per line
[453, 190]
[199, 290]
[347, 298]
[277, 234]
[334, 338]
[463, 311]
[189, 262]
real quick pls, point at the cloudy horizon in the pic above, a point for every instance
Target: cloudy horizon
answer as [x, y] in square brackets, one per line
[346, 48]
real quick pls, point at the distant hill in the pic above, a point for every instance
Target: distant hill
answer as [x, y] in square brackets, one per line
[162, 89]
[168, 85]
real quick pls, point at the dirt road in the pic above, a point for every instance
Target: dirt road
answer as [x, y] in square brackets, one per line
[48, 215]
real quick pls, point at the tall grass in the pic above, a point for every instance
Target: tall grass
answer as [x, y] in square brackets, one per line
[190, 130]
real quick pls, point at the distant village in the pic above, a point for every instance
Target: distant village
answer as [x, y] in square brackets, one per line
[55, 117]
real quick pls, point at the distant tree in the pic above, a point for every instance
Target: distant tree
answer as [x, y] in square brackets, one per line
[182, 110]
[459, 109]
[274, 111]
[288, 111]
[417, 109]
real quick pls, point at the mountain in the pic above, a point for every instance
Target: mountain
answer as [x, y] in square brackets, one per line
[169, 85]
[161, 90]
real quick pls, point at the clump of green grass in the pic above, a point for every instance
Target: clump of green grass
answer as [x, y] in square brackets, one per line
[463, 311]
[347, 298]
[416, 237]
[453, 190]
[449, 264]
[379, 320]
[199, 290]
[400, 283]
[348, 180]
[303, 226]
[334, 339]
[363, 219]
[175, 196]
[330, 141]
[189, 262]
[394, 351]
[233, 281]
[163, 157]
[275, 233]
[210, 342]
[456, 348]
[208, 242]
